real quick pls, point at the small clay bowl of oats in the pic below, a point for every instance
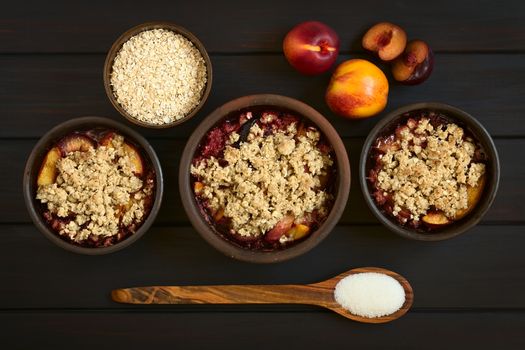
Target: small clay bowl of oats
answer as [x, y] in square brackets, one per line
[264, 178]
[157, 75]
[429, 171]
[92, 185]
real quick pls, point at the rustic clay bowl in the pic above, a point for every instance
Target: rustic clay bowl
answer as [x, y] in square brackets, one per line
[464, 120]
[40, 150]
[342, 186]
[108, 66]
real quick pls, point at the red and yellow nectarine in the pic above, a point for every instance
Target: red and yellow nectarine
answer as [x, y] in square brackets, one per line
[358, 89]
[311, 47]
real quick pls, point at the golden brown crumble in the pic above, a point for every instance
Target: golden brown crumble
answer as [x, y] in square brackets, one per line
[266, 178]
[436, 174]
[98, 189]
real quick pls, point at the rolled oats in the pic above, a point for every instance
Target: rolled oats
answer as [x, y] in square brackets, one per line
[158, 76]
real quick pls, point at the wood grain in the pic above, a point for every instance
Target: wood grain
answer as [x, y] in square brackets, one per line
[448, 25]
[103, 329]
[469, 288]
[44, 90]
[226, 294]
[450, 274]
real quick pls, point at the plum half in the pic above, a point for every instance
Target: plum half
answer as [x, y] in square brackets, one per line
[385, 38]
[415, 65]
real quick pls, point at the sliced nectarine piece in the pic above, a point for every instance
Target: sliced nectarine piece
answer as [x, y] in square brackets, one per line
[283, 226]
[301, 130]
[197, 187]
[137, 165]
[106, 139]
[298, 231]
[48, 170]
[136, 160]
[75, 143]
[324, 179]
[218, 215]
[473, 196]
[436, 218]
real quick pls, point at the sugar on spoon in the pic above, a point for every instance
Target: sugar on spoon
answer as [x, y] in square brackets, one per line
[370, 291]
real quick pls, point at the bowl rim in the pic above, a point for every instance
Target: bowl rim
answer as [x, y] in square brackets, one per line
[123, 38]
[481, 134]
[342, 183]
[38, 153]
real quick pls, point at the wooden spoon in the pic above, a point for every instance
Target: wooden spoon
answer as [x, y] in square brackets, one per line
[321, 294]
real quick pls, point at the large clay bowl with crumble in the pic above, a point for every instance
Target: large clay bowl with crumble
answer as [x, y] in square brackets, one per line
[39, 156]
[339, 182]
[437, 230]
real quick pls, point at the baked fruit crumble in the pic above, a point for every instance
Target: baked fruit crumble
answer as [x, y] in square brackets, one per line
[264, 178]
[428, 172]
[95, 188]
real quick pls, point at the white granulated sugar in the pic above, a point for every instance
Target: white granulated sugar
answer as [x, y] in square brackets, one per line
[158, 76]
[370, 294]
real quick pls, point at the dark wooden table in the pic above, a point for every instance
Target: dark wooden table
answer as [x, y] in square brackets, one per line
[469, 291]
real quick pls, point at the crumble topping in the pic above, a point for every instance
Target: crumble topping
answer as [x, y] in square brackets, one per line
[266, 178]
[158, 76]
[427, 166]
[98, 190]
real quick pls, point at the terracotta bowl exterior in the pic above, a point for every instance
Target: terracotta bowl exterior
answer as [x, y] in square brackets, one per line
[465, 121]
[342, 186]
[35, 160]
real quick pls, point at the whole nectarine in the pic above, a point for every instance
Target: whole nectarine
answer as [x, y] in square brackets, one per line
[358, 89]
[311, 47]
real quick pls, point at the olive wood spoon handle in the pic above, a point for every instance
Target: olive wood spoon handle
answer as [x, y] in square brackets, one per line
[320, 294]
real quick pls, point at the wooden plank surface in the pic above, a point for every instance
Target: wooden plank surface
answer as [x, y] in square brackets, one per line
[44, 90]
[468, 290]
[256, 330]
[259, 26]
[480, 269]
